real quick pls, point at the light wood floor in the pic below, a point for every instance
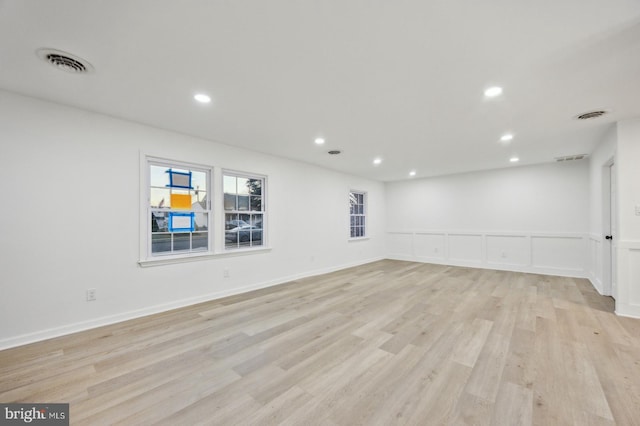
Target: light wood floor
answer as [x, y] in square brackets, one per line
[386, 343]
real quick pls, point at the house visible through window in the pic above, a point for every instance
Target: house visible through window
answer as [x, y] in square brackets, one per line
[179, 209]
[357, 214]
[244, 207]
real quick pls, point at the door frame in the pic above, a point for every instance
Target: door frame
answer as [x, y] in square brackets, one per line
[608, 246]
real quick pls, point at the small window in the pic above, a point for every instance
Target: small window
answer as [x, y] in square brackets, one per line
[179, 209]
[357, 214]
[244, 211]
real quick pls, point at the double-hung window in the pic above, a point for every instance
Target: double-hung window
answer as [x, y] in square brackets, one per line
[357, 214]
[244, 210]
[179, 209]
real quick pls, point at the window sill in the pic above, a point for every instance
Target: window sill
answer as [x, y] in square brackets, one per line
[170, 260]
[352, 240]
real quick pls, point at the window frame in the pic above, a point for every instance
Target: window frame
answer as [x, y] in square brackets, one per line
[364, 214]
[146, 254]
[263, 212]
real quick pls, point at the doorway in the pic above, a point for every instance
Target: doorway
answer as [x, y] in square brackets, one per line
[609, 228]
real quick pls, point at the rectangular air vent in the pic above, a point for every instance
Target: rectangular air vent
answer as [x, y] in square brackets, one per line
[571, 157]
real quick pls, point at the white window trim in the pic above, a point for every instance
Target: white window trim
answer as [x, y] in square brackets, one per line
[216, 240]
[170, 260]
[265, 212]
[366, 215]
[145, 256]
[355, 239]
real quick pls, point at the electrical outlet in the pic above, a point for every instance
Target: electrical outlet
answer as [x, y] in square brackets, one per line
[435, 250]
[91, 294]
[226, 273]
[504, 254]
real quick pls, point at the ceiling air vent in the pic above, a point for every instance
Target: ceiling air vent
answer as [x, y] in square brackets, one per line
[65, 61]
[571, 157]
[591, 114]
[334, 152]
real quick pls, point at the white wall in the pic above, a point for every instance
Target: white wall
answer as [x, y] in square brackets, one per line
[628, 244]
[629, 187]
[531, 218]
[69, 180]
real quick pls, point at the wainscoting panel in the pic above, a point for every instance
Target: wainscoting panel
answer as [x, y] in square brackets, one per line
[430, 246]
[595, 265]
[628, 300]
[465, 248]
[558, 252]
[400, 244]
[545, 253]
[508, 250]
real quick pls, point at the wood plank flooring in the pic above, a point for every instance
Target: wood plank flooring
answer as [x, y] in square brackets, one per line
[385, 343]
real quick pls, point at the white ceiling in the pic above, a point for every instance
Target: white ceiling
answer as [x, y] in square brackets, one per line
[401, 79]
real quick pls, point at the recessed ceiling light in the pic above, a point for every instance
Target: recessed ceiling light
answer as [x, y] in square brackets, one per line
[377, 161]
[506, 137]
[412, 173]
[492, 92]
[202, 98]
[319, 141]
[514, 159]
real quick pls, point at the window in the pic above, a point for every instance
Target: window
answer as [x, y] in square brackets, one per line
[244, 210]
[357, 214]
[179, 209]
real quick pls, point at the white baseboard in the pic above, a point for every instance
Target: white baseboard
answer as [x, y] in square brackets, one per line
[624, 310]
[50, 333]
[498, 267]
[597, 284]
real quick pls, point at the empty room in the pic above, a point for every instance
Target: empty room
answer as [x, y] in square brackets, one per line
[320, 212]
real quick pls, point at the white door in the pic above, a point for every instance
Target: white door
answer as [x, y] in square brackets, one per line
[614, 229]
